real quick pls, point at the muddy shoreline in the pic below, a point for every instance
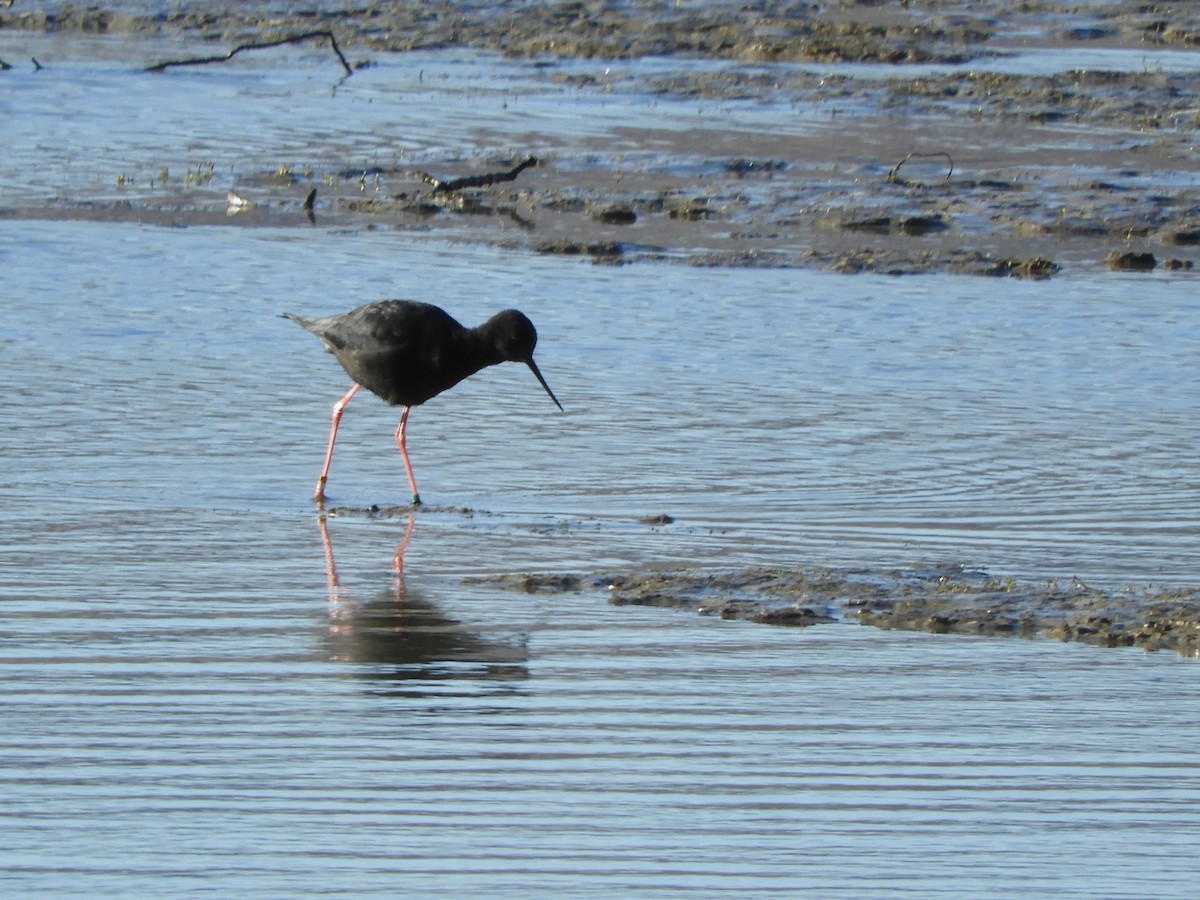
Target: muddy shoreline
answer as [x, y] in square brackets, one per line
[1035, 175]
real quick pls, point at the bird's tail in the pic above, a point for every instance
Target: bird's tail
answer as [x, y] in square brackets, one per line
[303, 321]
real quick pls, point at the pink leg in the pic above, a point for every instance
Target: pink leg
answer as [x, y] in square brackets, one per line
[338, 408]
[400, 442]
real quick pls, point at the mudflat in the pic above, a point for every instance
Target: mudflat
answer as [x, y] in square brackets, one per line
[940, 153]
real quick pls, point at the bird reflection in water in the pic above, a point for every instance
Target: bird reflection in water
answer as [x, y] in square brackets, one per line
[398, 635]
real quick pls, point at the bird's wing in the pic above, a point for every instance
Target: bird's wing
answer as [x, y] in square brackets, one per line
[393, 326]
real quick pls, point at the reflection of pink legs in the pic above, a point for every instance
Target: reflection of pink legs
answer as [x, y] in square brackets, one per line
[398, 559]
[342, 615]
[338, 408]
[400, 442]
[330, 568]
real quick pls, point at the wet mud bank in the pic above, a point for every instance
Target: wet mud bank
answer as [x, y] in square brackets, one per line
[1005, 173]
[945, 600]
[765, 30]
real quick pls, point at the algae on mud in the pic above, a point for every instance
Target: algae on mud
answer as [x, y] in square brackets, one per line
[940, 600]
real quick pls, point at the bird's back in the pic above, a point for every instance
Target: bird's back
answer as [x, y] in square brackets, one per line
[404, 351]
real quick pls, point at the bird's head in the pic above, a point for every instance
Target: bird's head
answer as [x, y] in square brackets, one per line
[514, 335]
[515, 339]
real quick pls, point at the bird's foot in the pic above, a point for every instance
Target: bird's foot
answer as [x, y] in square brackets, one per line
[319, 493]
[416, 500]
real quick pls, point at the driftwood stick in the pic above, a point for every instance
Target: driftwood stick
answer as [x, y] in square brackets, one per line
[458, 184]
[294, 39]
[892, 175]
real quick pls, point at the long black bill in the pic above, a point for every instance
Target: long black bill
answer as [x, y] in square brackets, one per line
[542, 381]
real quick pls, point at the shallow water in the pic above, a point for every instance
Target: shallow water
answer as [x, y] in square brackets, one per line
[1037, 429]
[187, 705]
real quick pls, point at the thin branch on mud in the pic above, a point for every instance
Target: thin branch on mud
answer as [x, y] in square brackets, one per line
[892, 176]
[294, 39]
[458, 184]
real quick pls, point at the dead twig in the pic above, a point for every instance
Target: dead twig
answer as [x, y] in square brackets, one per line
[37, 66]
[458, 184]
[892, 176]
[294, 39]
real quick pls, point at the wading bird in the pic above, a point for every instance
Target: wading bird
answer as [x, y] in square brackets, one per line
[407, 352]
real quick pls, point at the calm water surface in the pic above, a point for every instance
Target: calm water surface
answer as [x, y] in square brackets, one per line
[188, 706]
[190, 703]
